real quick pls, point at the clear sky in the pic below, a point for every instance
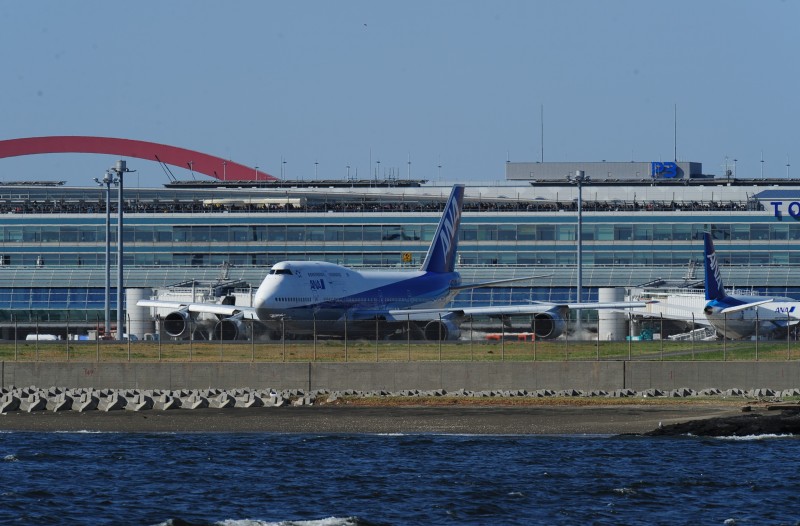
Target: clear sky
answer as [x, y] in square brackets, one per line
[456, 86]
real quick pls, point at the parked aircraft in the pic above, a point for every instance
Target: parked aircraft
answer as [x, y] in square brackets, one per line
[739, 316]
[304, 297]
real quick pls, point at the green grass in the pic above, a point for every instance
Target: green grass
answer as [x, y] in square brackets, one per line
[395, 351]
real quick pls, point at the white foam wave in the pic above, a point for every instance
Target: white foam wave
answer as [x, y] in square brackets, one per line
[755, 437]
[625, 491]
[10, 458]
[85, 432]
[330, 521]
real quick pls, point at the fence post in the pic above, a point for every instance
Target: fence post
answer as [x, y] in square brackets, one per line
[221, 344]
[252, 341]
[345, 337]
[314, 332]
[661, 337]
[724, 339]
[283, 337]
[471, 334]
[630, 335]
[128, 326]
[692, 333]
[502, 340]
[598, 336]
[757, 324]
[408, 335]
[97, 335]
[191, 338]
[67, 336]
[37, 337]
[159, 333]
[788, 339]
[16, 337]
[440, 336]
[533, 327]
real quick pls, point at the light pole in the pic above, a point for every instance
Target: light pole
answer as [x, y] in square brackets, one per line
[107, 181]
[114, 176]
[580, 178]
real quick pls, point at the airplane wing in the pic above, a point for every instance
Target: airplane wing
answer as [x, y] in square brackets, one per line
[496, 282]
[210, 308]
[698, 318]
[509, 310]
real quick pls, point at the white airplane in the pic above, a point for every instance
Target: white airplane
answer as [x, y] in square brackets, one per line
[737, 316]
[300, 297]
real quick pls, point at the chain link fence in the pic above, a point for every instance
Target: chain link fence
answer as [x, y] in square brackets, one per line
[320, 340]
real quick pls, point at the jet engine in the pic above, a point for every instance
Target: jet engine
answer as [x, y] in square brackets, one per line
[547, 325]
[441, 330]
[176, 323]
[232, 328]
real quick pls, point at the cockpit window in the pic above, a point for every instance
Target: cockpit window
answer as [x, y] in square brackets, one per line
[280, 271]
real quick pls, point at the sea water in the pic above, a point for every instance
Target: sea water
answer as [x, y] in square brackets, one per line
[319, 480]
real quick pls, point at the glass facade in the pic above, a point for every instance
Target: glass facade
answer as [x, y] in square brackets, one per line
[173, 230]
[31, 304]
[489, 238]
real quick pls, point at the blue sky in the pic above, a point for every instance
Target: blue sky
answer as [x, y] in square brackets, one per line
[453, 83]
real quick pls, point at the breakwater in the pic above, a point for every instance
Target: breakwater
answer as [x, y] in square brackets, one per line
[396, 376]
[33, 399]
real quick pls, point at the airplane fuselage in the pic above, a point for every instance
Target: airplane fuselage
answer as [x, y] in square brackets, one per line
[296, 292]
[760, 319]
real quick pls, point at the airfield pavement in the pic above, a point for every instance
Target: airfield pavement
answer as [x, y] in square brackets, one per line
[551, 418]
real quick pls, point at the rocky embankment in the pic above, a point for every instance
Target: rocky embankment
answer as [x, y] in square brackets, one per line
[33, 399]
[775, 420]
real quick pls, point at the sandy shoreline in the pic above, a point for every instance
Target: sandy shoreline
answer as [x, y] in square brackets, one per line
[454, 419]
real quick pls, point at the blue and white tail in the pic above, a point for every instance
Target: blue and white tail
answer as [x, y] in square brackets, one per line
[441, 256]
[715, 289]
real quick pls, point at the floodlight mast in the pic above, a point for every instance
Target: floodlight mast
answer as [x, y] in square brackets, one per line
[107, 181]
[580, 178]
[118, 169]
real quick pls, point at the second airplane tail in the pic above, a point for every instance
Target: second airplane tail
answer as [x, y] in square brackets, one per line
[715, 289]
[441, 256]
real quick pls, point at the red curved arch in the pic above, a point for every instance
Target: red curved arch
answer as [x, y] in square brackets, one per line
[196, 161]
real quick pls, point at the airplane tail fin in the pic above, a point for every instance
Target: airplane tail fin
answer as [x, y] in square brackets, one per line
[715, 289]
[441, 256]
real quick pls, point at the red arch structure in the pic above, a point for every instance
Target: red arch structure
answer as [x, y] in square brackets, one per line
[203, 163]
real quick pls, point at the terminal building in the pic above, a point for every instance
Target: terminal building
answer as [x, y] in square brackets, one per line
[642, 225]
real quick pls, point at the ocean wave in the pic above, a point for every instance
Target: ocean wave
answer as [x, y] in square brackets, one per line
[756, 437]
[329, 521]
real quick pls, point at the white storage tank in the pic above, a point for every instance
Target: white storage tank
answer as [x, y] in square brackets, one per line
[140, 320]
[611, 324]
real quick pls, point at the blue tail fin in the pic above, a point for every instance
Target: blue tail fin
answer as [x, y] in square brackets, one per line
[441, 255]
[715, 290]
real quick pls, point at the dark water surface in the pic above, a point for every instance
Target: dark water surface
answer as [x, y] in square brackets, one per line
[254, 479]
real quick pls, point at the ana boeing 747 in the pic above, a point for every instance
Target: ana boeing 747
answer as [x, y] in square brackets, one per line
[301, 297]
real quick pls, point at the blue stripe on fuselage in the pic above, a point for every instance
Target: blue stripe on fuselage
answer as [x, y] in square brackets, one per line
[428, 288]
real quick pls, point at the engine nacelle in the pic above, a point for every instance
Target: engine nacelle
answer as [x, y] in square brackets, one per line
[441, 330]
[176, 323]
[547, 325]
[230, 329]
